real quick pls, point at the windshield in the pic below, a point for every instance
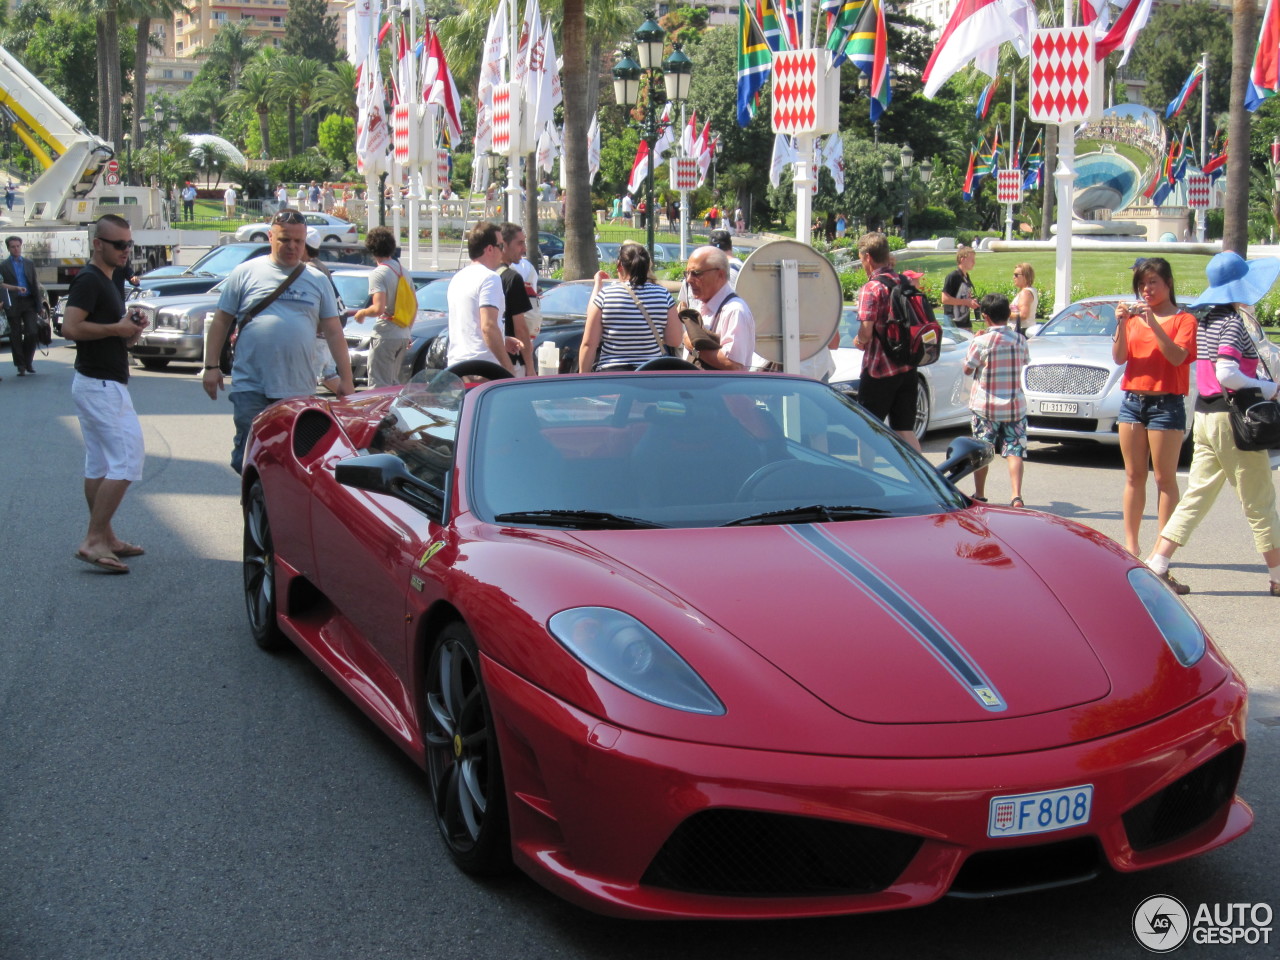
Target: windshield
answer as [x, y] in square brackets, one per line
[353, 288]
[434, 296]
[566, 300]
[684, 450]
[223, 260]
[1082, 320]
[422, 424]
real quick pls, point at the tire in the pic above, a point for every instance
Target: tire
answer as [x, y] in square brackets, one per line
[468, 794]
[259, 237]
[923, 407]
[260, 573]
[153, 363]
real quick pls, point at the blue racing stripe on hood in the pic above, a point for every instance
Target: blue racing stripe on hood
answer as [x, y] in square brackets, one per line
[900, 605]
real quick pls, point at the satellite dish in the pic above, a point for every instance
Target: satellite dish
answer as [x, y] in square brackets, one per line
[817, 305]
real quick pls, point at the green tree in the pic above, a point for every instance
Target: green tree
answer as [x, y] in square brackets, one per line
[1171, 44]
[337, 138]
[257, 93]
[143, 11]
[229, 53]
[309, 31]
[297, 78]
[336, 90]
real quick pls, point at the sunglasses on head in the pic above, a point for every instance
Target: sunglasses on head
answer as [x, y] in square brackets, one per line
[288, 217]
[118, 244]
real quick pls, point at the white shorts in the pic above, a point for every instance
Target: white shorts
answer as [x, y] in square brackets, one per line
[113, 447]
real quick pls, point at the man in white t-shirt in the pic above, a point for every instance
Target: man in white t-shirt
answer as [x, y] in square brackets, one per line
[282, 197]
[229, 201]
[476, 302]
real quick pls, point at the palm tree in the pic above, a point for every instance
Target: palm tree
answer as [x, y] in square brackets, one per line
[258, 91]
[144, 11]
[579, 233]
[1235, 226]
[231, 51]
[209, 158]
[336, 90]
[202, 100]
[299, 76]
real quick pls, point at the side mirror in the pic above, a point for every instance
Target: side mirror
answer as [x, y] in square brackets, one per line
[386, 473]
[964, 456]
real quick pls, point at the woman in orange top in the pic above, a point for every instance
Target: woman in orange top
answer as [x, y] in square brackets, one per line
[1156, 341]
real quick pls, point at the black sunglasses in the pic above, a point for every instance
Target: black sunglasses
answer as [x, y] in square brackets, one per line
[118, 244]
[288, 217]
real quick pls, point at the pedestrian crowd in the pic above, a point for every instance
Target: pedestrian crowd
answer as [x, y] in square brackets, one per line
[282, 313]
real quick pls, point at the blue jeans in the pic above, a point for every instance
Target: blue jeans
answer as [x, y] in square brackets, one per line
[246, 404]
[1161, 411]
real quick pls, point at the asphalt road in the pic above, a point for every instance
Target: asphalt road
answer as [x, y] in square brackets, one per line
[168, 791]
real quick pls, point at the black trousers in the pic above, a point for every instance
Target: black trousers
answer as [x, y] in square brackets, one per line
[22, 331]
[188, 209]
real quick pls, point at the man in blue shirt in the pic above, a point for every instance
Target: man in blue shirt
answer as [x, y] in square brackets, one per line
[276, 346]
[23, 298]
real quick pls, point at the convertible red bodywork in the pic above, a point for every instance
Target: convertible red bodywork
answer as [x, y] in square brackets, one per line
[904, 698]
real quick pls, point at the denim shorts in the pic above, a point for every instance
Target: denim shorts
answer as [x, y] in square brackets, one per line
[1161, 411]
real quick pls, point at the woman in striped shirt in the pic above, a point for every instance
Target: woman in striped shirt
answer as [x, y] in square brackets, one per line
[631, 321]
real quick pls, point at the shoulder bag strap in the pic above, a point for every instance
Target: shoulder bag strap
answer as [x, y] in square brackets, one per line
[662, 347]
[270, 298]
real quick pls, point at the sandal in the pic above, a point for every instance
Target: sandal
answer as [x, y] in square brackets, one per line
[980, 499]
[1016, 502]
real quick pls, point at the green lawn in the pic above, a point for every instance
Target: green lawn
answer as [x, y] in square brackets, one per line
[1093, 273]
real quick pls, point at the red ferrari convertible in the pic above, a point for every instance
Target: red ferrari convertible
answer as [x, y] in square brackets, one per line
[690, 644]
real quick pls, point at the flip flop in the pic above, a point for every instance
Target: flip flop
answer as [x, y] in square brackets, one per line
[106, 562]
[130, 550]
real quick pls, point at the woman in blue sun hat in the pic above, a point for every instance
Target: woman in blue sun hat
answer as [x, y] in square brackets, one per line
[1227, 361]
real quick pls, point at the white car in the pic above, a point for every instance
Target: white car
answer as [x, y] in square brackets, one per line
[1073, 385]
[332, 229]
[942, 387]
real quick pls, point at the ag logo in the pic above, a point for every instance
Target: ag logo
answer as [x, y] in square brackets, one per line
[1161, 923]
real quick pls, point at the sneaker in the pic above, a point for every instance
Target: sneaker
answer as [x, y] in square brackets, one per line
[1181, 589]
[1275, 589]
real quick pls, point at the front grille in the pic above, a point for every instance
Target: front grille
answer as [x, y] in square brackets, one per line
[1074, 424]
[743, 853]
[1186, 803]
[1019, 869]
[1066, 379]
[309, 429]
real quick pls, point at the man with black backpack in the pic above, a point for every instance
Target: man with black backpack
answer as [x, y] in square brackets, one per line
[889, 360]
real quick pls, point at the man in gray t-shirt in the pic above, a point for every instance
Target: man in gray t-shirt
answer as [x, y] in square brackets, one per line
[390, 341]
[274, 352]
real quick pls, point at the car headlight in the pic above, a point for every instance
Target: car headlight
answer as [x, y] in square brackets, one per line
[624, 651]
[147, 294]
[1172, 619]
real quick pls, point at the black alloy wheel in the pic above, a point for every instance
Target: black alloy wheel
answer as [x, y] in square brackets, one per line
[260, 573]
[465, 772]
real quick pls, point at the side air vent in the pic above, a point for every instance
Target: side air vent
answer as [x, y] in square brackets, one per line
[311, 427]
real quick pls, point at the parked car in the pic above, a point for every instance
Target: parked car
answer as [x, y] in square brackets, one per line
[695, 645]
[332, 229]
[1073, 385]
[564, 311]
[942, 389]
[551, 247]
[221, 260]
[432, 317]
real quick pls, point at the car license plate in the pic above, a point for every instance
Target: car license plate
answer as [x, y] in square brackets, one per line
[1025, 813]
[1052, 406]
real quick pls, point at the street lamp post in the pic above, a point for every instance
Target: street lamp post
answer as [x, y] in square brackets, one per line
[888, 172]
[128, 158]
[676, 73]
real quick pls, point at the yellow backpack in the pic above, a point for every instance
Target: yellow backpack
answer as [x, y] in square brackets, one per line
[406, 310]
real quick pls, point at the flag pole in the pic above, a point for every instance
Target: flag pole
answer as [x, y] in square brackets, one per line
[415, 163]
[1013, 109]
[514, 145]
[684, 194]
[1064, 177]
[1204, 137]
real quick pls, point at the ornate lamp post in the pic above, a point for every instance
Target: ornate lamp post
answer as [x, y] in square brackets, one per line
[676, 74]
[906, 161]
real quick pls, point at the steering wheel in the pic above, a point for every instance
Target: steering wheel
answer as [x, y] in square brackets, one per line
[810, 479]
[480, 368]
[665, 363]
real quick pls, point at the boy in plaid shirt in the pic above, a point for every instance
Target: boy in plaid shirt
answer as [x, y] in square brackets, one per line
[996, 360]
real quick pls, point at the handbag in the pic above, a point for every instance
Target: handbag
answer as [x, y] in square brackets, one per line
[1255, 423]
[227, 357]
[44, 331]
